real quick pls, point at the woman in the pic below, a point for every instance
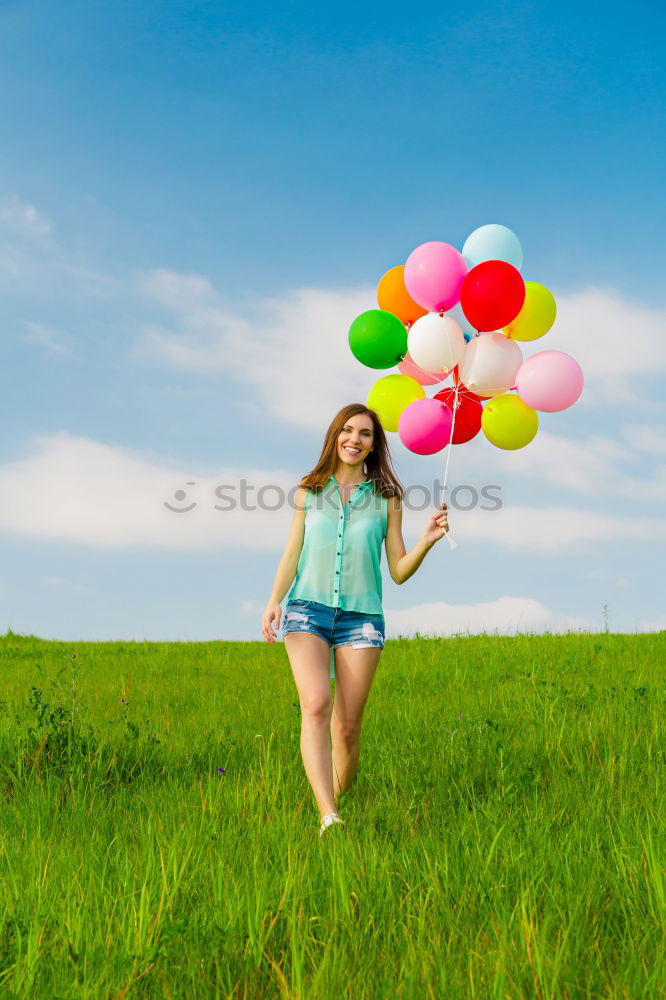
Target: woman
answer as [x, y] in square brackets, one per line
[342, 514]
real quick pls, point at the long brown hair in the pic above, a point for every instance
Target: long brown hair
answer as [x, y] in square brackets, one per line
[380, 469]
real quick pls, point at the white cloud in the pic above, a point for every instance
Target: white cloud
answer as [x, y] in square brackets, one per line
[642, 626]
[35, 264]
[293, 348]
[21, 217]
[186, 294]
[645, 437]
[599, 574]
[53, 341]
[503, 616]
[293, 353]
[113, 497]
[251, 608]
[547, 530]
[62, 583]
[588, 463]
[614, 339]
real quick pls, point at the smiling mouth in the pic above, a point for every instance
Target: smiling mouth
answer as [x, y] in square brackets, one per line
[351, 451]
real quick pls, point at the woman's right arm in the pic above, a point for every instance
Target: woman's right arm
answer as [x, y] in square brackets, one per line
[287, 567]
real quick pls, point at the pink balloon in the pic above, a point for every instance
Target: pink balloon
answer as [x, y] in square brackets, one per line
[434, 274]
[407, 367]
[549, 381]
[425, 426]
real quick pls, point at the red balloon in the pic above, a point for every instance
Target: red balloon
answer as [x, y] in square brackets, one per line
[492, 295]
[468, 414]
[463, 388]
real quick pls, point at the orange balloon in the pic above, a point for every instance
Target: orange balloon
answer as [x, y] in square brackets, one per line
[394, 297]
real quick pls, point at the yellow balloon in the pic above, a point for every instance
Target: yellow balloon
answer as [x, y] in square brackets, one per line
[537, 315]
[391, 395]
[509, 423]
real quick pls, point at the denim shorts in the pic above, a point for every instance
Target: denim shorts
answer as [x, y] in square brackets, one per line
[333, 625]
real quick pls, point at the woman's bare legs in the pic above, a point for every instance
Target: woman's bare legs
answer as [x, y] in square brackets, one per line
[355, 668]
[309, 656]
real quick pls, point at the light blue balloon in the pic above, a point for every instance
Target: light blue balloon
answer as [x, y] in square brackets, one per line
[493, 242]
[458, 315]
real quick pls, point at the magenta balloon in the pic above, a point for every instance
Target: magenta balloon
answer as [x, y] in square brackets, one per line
[425, 426]
[549, 381]
[434, 274]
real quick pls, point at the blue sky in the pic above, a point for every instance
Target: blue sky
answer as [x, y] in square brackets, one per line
[195, 202]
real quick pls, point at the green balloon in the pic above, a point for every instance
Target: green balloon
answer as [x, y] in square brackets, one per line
[378, 339]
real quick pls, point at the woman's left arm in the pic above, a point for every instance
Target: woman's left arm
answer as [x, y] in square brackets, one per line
[403, 564]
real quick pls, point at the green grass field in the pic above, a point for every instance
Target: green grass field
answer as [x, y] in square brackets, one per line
[504, 833]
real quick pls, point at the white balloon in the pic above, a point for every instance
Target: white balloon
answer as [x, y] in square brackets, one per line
[490, 364]
[435, 343]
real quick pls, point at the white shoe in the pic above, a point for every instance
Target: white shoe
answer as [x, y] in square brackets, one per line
[328, 820]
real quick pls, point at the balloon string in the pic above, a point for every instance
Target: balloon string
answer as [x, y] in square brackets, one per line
[452, 544]
[453, 424]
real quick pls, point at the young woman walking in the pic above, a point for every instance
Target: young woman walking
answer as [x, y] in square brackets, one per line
[343, 510]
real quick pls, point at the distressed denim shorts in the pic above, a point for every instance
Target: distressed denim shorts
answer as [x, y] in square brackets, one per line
[333, 625]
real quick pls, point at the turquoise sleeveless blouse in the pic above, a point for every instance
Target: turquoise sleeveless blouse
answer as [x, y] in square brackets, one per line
[340, 560]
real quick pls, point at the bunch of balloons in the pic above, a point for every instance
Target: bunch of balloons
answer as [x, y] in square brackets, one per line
[463, 314]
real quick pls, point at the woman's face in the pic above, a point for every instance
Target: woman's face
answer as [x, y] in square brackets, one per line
[355, 440]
